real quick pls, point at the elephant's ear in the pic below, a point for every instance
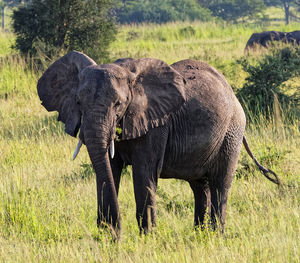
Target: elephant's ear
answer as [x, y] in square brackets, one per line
[157, 91]
[57, 89]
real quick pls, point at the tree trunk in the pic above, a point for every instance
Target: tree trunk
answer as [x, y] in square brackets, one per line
[3, 17]
[286, 11]
[62, 25]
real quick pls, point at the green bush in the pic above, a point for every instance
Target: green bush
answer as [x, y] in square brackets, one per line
[53, 26]
[157, 11]
[267, 78]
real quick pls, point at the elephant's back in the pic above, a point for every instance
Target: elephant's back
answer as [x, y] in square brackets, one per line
[207, 87]
[200, 75]
[192, 70]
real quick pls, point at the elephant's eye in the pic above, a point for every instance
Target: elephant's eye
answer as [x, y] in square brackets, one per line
[118, 103]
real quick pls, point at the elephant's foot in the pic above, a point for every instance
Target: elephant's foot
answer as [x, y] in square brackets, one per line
[147, 221]
[114, 229]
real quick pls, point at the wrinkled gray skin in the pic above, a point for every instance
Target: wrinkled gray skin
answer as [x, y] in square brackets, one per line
[264, 38]
[181, 121]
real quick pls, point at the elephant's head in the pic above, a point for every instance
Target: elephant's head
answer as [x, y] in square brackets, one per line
[138, 95]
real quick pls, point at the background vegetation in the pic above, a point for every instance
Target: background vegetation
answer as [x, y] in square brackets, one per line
[157, 11]
[231, 10]
[267, 82]
[48, 202]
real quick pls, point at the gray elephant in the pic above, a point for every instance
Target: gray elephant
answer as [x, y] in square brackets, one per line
[264, 38]
[181, 121]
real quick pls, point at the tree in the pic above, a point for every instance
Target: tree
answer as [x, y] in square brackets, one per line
[285, 4]
[232, 10]
[55, 26]
[2, 6]
[272, 2]
[158, 11]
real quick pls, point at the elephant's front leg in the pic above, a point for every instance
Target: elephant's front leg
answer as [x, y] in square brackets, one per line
[147, 155]
[145, 185]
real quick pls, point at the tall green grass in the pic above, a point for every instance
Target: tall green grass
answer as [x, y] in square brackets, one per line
[48, 201]
[6, 41]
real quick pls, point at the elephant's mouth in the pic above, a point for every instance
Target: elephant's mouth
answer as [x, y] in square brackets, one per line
[81, 136]
[119, 131]
[116, 134]
[77, 127]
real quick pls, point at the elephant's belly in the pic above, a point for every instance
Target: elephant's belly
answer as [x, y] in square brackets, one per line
[194, 141]
[180, 171]
[193, 162]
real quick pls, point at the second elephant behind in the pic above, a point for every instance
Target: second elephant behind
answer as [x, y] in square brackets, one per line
[264, 38]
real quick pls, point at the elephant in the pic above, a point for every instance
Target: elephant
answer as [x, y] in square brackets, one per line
[294, 37]
[263, 38]
[181, 121]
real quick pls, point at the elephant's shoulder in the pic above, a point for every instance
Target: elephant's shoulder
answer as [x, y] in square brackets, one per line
[127, 63]
[190, 65]
[196, 71]
[122, 61]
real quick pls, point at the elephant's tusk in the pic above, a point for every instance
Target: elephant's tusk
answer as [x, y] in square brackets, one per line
[77, 149]
[112, 149]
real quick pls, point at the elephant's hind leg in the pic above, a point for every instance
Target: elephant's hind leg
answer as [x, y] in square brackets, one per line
[202, 202]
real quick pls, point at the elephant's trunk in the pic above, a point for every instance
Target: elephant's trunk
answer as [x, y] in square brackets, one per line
[108, 208]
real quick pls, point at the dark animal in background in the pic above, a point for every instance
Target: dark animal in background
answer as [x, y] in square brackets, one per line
[264, 38]
[181, 121]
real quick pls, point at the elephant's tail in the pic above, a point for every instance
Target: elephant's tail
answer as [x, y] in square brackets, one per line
[264, 170]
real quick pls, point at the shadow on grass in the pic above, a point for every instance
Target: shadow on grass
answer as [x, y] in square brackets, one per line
[84, 174]
[87, 172]
[174, 204]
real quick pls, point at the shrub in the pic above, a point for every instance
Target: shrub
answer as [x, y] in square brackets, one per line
[267, 78]
[54, 26]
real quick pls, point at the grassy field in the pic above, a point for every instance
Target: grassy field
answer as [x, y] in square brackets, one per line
[48, 201]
